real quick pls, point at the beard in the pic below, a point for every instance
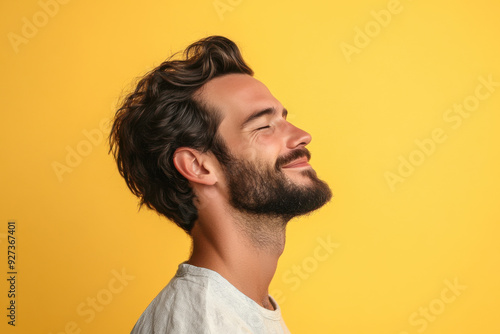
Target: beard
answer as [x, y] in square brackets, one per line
[263, 190]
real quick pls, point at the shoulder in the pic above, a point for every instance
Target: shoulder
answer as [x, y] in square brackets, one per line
[180, 307]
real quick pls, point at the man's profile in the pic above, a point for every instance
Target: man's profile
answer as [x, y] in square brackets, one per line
[206, 145]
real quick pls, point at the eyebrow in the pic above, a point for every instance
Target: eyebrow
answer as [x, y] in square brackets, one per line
[261, 113]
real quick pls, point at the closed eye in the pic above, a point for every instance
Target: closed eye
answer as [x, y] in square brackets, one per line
[263, 127]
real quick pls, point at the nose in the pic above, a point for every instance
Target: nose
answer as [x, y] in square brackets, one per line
[297, 137]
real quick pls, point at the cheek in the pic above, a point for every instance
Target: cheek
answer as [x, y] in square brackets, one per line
[262, 147]
[266, 143]
[266, 148]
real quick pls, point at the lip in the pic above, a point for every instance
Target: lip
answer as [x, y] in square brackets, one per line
[301, 162]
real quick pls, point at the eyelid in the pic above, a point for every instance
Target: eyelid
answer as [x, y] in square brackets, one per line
[283, 115]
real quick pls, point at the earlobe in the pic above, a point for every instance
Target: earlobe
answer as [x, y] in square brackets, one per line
[194, 166]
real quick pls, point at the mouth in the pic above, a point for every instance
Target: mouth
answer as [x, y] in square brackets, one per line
[298, 163]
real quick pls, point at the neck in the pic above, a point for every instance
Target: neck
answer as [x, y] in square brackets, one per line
[244, 249]
[264, 233]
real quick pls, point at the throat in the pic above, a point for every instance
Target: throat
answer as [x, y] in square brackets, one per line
[264, 233]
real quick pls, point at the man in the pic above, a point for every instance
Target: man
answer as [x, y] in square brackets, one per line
[206, 145]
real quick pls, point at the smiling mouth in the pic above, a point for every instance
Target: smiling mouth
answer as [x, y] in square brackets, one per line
[301, 162]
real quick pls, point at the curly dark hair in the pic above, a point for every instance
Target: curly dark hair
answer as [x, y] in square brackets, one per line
[163, 114]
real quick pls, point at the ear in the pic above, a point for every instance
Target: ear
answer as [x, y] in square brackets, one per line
[195, 166]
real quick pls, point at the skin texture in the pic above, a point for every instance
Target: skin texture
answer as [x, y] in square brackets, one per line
[242, 247]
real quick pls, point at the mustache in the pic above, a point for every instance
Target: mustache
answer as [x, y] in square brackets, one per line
[294, 155]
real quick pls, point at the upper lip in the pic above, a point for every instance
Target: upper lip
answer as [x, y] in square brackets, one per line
[298, 161]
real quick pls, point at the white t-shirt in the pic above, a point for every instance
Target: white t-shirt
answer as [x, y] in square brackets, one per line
[199, 300]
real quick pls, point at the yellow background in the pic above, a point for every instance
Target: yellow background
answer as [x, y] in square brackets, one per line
[396, 247]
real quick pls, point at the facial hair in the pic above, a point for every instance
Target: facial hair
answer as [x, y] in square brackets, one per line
[261, 190]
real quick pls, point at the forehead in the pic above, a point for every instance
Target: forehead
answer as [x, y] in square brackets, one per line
[237, 95]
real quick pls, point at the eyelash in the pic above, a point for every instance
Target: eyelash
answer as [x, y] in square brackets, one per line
[267, 126]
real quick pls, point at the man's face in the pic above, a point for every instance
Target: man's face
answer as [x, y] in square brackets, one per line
[268, 170]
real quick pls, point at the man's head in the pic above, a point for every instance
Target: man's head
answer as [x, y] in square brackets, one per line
[208, 103]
